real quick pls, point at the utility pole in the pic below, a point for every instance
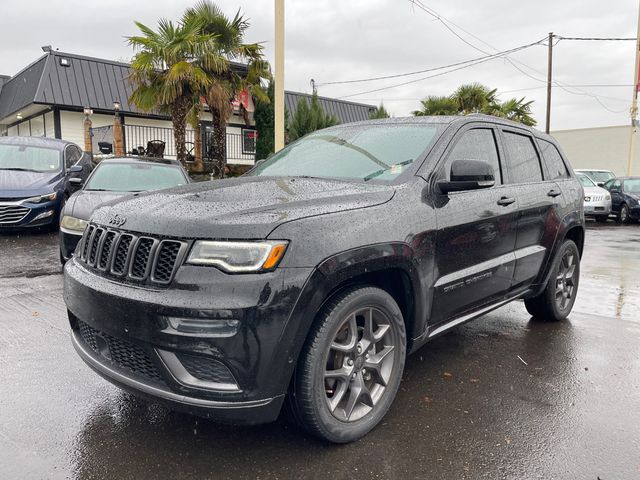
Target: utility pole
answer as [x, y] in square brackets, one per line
[549, 77]
[279, 75]
[634, 106]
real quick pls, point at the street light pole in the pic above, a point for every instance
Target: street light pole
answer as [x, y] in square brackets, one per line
[634, 106]
[279, 76]
[549, 78]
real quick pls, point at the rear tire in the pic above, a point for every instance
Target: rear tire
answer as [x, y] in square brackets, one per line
[557, 299]
[350, 366]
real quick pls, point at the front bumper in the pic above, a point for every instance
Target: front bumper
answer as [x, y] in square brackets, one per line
[597, 208]
[634, 212]
[16, 214]
[68, 242]
[132, 336]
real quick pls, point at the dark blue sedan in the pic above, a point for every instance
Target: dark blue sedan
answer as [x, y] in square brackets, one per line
[36, 177]
[625, 198]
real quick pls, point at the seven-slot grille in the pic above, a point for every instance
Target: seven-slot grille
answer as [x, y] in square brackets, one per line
[137, 258]
[12, 213]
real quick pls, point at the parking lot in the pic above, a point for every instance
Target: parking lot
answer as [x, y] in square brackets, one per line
[502, 397]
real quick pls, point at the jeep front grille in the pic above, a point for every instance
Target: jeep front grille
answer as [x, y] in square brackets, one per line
[137, 258]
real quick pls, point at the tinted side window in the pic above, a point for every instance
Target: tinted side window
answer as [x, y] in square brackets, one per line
[553, 160]
[523, 164]
[476, 144]
[72, 154]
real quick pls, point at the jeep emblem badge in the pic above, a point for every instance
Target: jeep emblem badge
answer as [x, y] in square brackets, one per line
[117, 220]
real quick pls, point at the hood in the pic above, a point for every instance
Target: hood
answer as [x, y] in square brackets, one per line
[82, 204]
[590, 191]
[21, 184]
[246, 207]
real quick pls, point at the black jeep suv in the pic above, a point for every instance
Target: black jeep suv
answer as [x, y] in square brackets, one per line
[311, 277]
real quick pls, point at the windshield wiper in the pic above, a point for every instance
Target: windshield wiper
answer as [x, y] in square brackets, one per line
[19, 169]
[377, 173]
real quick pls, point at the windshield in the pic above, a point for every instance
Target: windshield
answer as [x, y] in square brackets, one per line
[134, 177]
[600, 176]
[586, 181]
[631, 185]
[31, 159]
[363, 152]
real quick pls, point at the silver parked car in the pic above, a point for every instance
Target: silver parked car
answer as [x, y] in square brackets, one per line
[599, 177]
[597, 200]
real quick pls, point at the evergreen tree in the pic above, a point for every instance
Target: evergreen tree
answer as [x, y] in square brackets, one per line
[379, 112]
[309, 118]
[264, 117]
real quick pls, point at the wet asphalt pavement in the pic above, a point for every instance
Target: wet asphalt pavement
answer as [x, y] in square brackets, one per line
[503, 397]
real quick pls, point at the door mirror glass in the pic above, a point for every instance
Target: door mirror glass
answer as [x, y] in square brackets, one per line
[74, 169]
[75, 182]
[468, 175]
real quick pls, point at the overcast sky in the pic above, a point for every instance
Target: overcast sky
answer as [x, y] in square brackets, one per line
[335, 40]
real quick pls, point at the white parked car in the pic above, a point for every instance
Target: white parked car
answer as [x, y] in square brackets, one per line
[597, 200]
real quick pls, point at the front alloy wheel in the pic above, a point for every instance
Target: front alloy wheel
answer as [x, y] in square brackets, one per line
[350, 366]
[359, 364]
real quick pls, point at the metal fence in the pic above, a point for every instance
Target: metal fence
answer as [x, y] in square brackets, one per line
[240, 148]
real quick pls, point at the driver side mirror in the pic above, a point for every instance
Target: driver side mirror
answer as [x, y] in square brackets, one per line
[74, 169]
[468, 175]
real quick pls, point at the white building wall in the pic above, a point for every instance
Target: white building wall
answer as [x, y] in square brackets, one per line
[605, 147]
[72, 125]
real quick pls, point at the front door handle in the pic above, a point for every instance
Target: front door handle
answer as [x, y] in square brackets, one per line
[504, 201]
[554, 193]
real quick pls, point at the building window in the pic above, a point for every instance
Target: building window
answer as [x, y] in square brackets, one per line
[23, 129]
[37, 126]
[249, 138]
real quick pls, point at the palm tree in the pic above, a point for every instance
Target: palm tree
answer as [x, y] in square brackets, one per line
[474, 98]
[225, 82]
[434, 105]
[516, 110]
[165, 73]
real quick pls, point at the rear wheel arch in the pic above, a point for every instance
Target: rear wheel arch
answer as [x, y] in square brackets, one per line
[576, 233]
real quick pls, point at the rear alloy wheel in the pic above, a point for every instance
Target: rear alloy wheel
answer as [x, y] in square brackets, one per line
[624, 214]
[557, 299]
[351, 365]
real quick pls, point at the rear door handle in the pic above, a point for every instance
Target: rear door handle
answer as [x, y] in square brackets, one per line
[554, 193]
[504, 201]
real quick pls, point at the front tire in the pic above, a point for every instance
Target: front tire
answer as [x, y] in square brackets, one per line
[557, 299]
[350, 366]
[624, 214]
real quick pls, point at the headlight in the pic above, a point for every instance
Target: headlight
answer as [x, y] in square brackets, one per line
[72, 223]
[607, 197]
[237, 257]
[42, 198]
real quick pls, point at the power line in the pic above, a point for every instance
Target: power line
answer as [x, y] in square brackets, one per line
[598, 39]
[473, 60]
[560, 85]
[483, 60]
